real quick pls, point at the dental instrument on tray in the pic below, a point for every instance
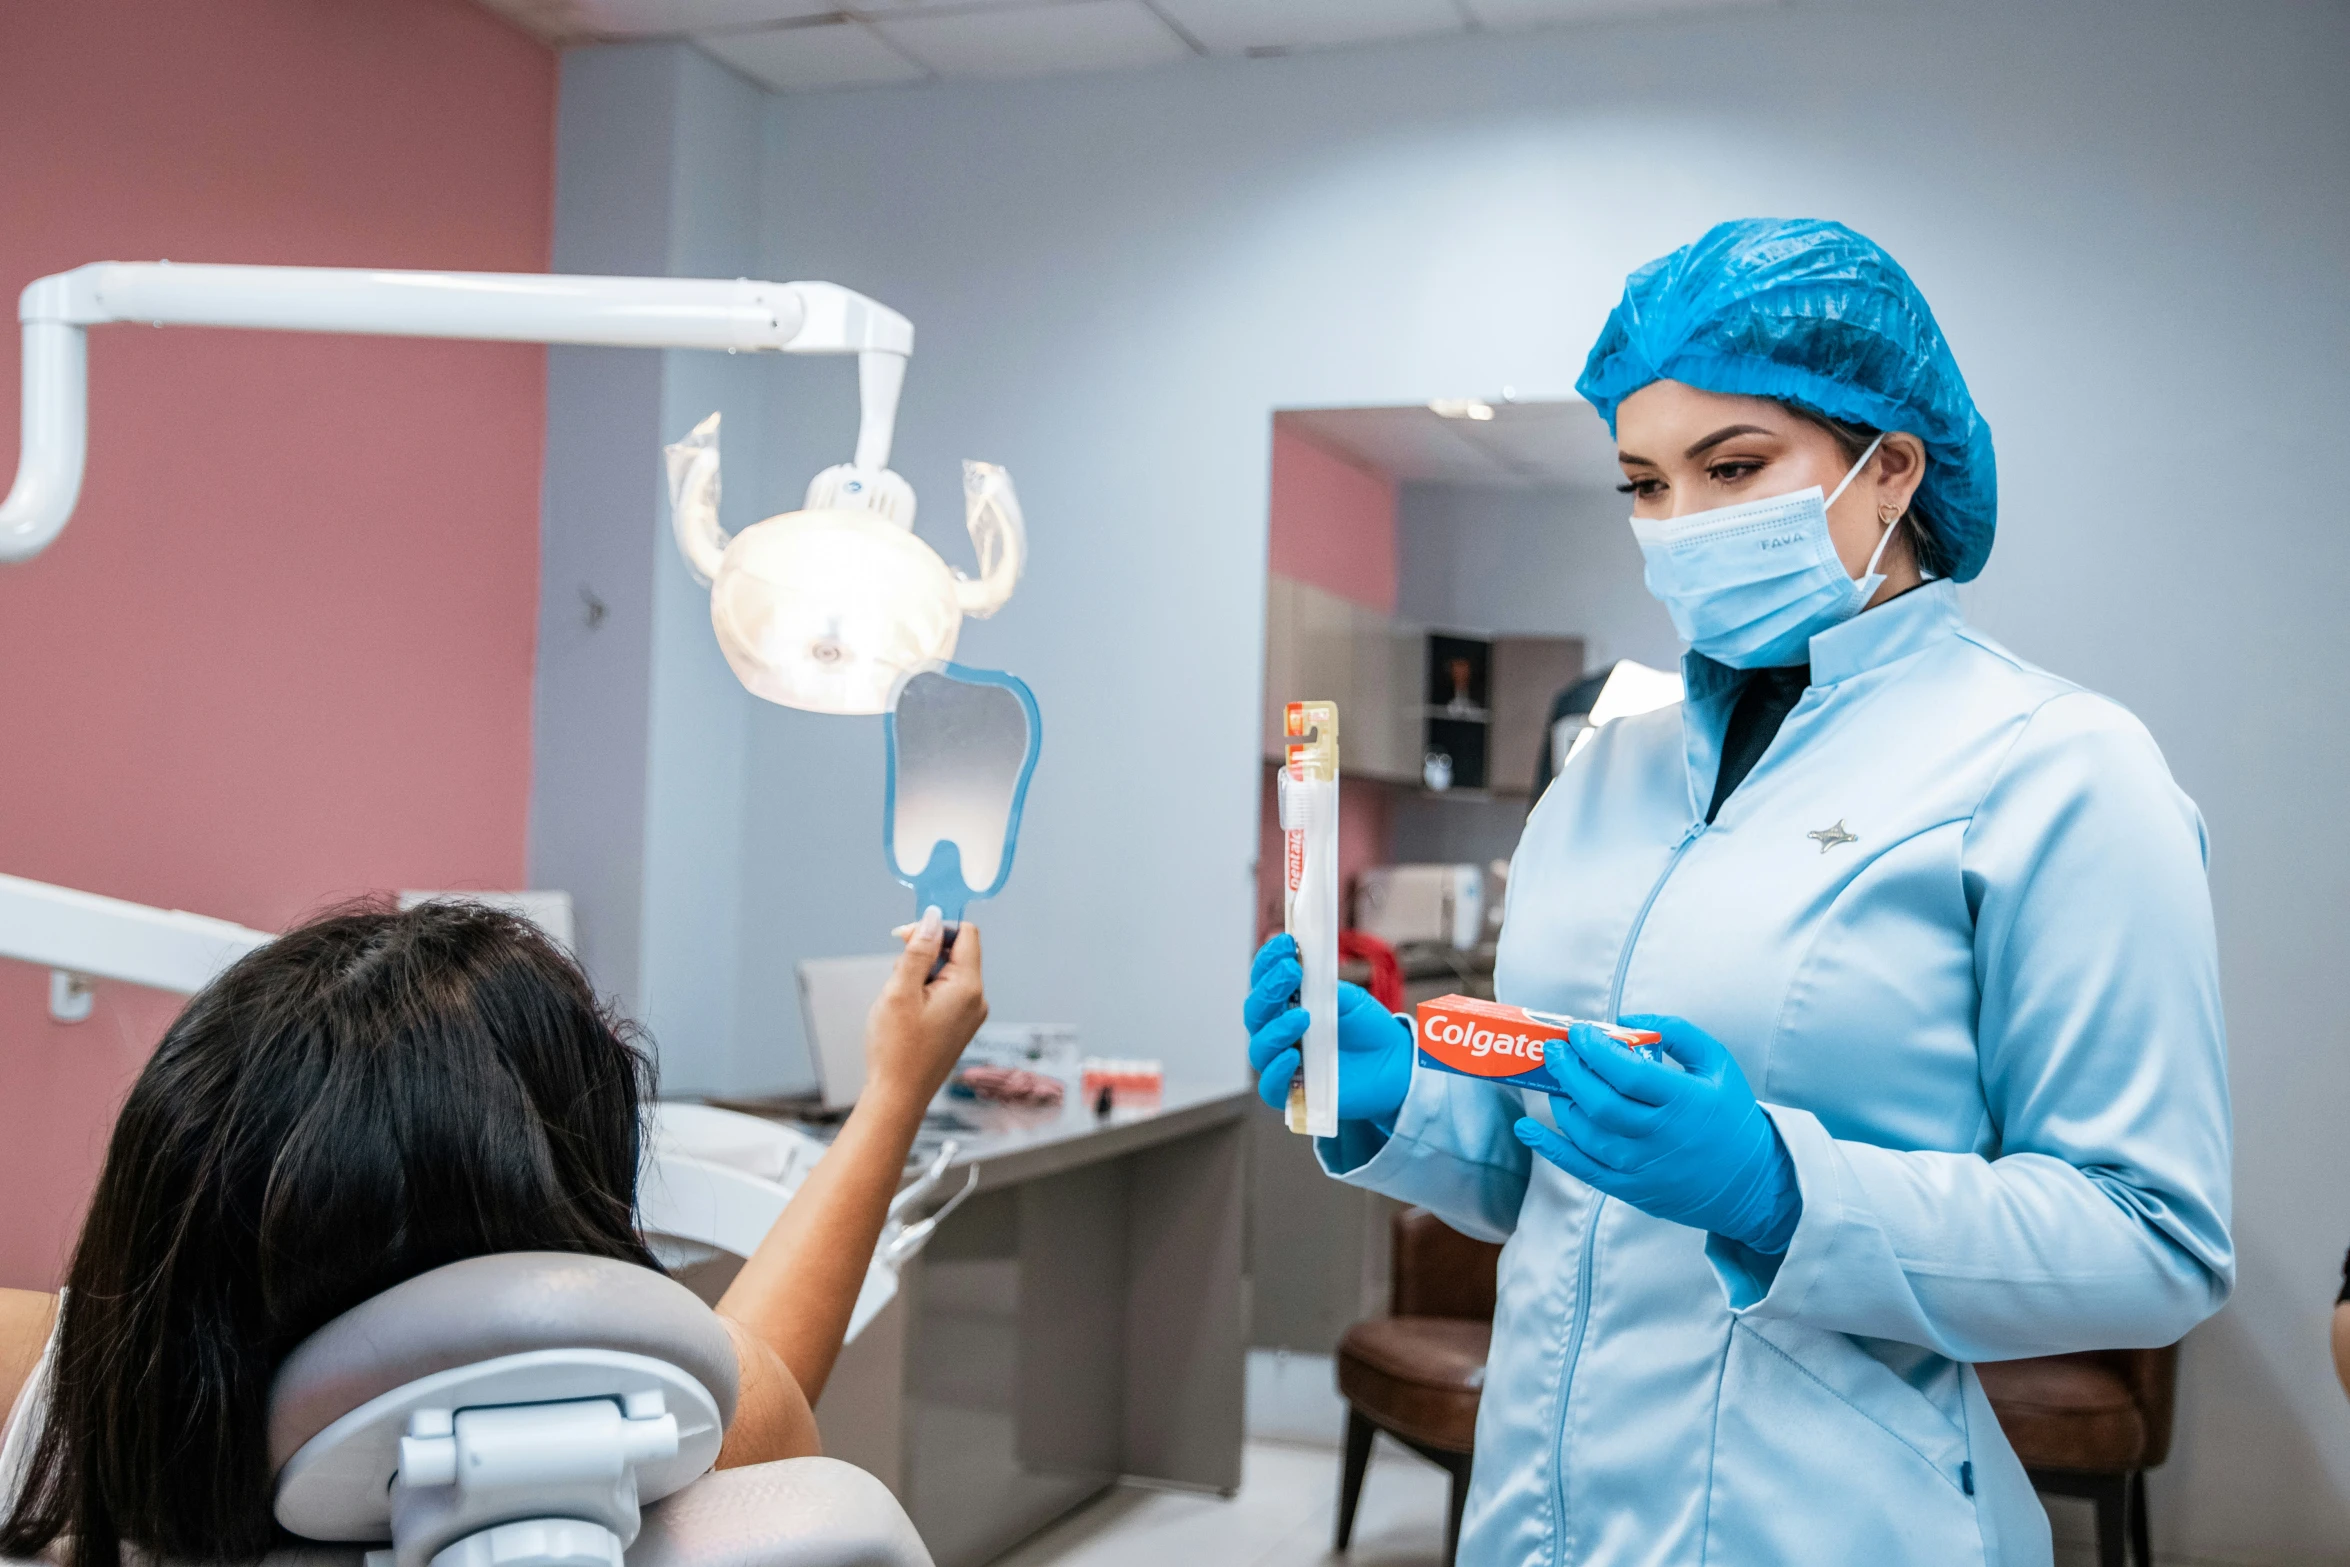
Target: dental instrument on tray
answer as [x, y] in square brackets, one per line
[1007, 1085]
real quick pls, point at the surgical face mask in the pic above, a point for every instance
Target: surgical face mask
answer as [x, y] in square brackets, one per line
[1750, 585]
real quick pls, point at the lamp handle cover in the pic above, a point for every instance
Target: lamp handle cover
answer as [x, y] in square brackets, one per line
[693, 500]
[999, 536]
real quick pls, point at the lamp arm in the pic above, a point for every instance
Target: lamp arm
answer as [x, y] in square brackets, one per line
[744, 315]
[109, 938]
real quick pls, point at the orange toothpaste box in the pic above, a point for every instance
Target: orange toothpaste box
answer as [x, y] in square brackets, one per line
[1503, 1044]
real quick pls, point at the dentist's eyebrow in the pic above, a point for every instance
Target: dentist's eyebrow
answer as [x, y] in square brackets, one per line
[1723, 434]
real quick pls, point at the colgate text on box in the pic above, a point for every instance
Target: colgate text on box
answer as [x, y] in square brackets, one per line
[1502, 1044]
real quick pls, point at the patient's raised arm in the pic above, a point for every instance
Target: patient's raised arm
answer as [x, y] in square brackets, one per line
[794, 1296]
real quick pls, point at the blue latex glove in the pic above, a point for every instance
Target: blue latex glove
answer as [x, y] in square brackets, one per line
[1693, 1146]
[1374, 1045]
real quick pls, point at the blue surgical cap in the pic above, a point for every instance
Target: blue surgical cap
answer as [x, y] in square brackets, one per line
[1809, 312]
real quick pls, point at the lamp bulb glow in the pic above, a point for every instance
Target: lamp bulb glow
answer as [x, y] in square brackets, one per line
[828, 610]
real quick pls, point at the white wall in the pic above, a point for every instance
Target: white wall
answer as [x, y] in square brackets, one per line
[1527, 562]
[1533, 562]
[640, 730]
[2132, 219]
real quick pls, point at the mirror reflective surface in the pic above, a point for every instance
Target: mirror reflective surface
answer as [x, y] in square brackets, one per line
[962, 744]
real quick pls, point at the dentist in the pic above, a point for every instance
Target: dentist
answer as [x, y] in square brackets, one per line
[1927, 935]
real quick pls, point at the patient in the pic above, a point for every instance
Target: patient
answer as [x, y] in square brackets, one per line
[366, 1098]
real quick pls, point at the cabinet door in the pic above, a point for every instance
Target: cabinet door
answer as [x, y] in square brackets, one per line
[1280, 659]
[1321, 647]
[1407, 663]
[1368, 729]
[1324, 650]
[1528, 674]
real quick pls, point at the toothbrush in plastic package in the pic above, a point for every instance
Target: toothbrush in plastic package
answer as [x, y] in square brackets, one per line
[1308, 790]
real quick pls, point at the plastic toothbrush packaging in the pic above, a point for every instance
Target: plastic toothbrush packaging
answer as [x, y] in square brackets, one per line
[1308, 790]
[1504, 1044]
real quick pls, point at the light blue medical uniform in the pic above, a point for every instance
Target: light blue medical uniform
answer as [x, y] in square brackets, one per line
[1955, 928]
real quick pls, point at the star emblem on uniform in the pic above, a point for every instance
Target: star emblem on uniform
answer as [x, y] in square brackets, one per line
[1829, 837]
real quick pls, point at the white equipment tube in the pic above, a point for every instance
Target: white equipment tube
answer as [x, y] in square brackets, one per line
[744, 315]
[81, 934]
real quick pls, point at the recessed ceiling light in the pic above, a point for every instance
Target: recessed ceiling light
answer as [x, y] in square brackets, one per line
[1461, 408]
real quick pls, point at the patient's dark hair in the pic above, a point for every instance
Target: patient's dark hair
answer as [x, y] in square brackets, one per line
[365, 1098]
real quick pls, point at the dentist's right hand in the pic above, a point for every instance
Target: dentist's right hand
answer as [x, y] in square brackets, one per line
[1375, 1046]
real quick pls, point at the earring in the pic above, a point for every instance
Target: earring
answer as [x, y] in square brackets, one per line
[1888, 514]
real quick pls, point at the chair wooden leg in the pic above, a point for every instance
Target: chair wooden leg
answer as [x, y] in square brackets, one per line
[1359, 1432]
[2141, 1543]
[2112, 1494]
[1454, 1502]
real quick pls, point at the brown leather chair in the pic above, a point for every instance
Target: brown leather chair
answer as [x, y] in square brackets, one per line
[1416, 1373]
[2090, 1425]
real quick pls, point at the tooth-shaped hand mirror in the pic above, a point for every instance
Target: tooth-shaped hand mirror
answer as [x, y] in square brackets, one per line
[962, 744]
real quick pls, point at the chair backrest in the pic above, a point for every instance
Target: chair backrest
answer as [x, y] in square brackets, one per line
[489, 1308]
[801, 1512]
[2153, 1377]
[519, 1408]
[1439, 1272]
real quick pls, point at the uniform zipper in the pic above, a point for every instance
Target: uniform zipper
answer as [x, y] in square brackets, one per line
[1615, 1000]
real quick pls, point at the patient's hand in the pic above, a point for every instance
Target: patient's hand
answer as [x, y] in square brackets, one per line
[918, 1029]
[793, 1299]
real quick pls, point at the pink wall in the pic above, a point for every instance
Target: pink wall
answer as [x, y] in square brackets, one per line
[282, 654]
[1333, 521]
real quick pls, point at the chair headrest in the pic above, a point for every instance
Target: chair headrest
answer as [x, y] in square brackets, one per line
[483, 1308]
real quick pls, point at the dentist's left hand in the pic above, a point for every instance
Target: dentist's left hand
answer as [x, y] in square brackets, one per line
[1691, 1146]
[1374, 1045]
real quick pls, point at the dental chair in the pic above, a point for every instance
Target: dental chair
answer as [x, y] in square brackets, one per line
[538, 1409]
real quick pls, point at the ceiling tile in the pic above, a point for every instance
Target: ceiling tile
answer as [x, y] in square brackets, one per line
[1503, 15]
[1547, 445]
[1559, 444]
[821, 54]
[1239, 26]
[1088, 35]
[625, 18]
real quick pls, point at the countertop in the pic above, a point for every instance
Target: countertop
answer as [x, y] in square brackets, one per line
[1009, 1144]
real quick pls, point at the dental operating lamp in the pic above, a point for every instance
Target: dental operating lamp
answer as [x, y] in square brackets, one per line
[742, 316]
[828, 608]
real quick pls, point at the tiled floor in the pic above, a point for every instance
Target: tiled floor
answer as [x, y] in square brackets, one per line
[1281, 1518]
